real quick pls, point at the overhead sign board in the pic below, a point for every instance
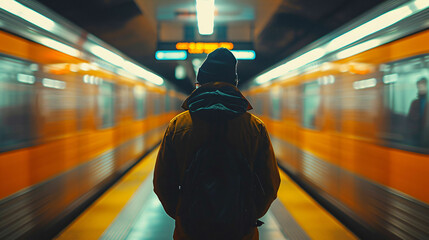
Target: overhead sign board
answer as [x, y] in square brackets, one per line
[179, 50]
[203, 47]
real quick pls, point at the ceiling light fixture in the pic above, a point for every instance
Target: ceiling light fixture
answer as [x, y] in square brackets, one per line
[383, 21]
[358, 48]
[205, 16]
[27, 14]
[291, 65]
[59, 46]
[366, 29]
[107, 55]
[143, 73]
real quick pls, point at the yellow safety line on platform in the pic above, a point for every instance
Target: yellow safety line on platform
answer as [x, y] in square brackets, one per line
[96, 219]
[314, 220]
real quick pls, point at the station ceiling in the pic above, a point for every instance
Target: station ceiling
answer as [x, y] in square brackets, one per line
[278, 28]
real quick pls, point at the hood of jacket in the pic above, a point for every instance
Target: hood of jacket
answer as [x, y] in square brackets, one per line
[217, 100]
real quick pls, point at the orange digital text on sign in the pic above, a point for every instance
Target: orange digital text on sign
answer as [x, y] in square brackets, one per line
[203, 47]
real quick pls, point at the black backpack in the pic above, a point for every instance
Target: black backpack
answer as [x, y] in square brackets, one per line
[216, 194]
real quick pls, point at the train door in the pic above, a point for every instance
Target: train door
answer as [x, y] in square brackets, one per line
[106, 105]
[140, 113]
[123, 133]
[17, 104]
[359, 112]
[311, 139]
[87, 102]
[289, 149]
[330, 117]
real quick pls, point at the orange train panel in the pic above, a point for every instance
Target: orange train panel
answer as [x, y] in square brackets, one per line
[402, 170]
[33, 165]
[18, 47]
[64, 151]
[407, 47]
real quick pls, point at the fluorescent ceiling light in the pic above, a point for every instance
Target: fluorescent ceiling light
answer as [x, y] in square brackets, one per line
[306, 58]
[293, 64]
[143, 73]
[27, 14]
[107, 55]
[244, 54]
[358, 48]
[59, 46]
[205, 16]
[171, 55]
[381, 22]
[368, 28]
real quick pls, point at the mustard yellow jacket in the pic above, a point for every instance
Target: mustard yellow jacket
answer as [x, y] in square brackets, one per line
[186, 133]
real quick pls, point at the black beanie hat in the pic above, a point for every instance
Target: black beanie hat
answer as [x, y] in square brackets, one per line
[219, 66]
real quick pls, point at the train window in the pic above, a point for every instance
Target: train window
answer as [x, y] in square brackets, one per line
[161, 98]
[311, 104]
[352, 104]
[167, 103]
[405, 91]
[17, 97]
[275, 106]
[257, 103]
[290, 103]
[125, 101]
[106, 104]
[86, 103]
[156, 98]
[57, 96]
[140, 100]
[263, 98]
[334, 101]
[177, 104]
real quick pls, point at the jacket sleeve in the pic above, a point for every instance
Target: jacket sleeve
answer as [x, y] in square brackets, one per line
[165, 179]
[267, 174]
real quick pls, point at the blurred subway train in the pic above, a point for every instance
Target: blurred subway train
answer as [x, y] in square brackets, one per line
[74, 115]
[348, 119]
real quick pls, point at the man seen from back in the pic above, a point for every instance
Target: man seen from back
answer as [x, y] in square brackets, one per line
[216, 173]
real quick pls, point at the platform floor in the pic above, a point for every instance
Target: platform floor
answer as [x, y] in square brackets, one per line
[130, 210]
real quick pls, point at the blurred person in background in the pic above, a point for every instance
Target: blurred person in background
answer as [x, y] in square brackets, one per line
[416, 119]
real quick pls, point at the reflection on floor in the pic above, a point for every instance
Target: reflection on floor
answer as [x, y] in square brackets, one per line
[144, 218]
[131, 210]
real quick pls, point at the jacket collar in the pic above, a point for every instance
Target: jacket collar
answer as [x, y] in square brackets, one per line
[211, 87]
